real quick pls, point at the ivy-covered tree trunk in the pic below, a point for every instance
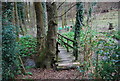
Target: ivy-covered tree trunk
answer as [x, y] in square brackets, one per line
[40, 57]
[9, 57]
[51, 34]
[78, 25]
[89, 15]
[21, 19]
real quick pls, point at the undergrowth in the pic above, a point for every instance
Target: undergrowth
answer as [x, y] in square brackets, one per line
[27, 45]
[100, 54]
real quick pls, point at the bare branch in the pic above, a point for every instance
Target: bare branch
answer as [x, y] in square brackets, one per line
[67, 10]
[60, 5]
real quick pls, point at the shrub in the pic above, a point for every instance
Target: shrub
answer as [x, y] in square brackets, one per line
[106, 48]
[27, 46]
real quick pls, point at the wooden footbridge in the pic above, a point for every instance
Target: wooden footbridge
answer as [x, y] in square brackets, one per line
[62, 39]
[67, 57]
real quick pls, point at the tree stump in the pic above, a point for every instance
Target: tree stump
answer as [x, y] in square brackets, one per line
[111, 26]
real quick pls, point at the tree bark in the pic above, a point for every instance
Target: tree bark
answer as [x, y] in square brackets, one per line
[17, 21]
[40, 57]
[20, 20]
[51, 34]
[45, 17]
[32, 18]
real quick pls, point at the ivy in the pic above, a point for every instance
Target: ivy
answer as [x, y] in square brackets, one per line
[10, 61]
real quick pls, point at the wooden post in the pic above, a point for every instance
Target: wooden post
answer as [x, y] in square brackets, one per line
[61, 40]
[58, 37]
[67, 46]
[57, 50]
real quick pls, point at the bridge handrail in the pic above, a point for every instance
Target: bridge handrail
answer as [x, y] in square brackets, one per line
[60, 37]
[66, 44]
[66, 38]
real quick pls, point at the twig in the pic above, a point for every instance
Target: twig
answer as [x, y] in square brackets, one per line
[60, 5]
[66, 11]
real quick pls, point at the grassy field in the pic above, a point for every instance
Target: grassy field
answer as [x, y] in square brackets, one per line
[100, 22]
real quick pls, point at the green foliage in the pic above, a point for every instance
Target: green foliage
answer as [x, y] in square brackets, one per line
[10, 61]
[107, 66]
[29, 73]
[107, 70]
[117, 35]
[69, 35]
[104, 49]
[27, 46]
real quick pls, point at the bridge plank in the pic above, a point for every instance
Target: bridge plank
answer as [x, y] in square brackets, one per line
[69, 64]
[66, 60]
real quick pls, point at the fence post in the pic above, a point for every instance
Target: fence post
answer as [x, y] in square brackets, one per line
[61, 40]
[67, 46]
[58, 37]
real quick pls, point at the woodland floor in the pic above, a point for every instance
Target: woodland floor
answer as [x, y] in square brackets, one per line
[51, 74]
[65, 57]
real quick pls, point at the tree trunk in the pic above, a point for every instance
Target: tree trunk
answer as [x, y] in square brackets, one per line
[51, 34]
[78, 25]
[40, 57]
[17, 21]
[32, 18]
[24, 19]
[20, 20]
[13, 14]
[45, 17]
